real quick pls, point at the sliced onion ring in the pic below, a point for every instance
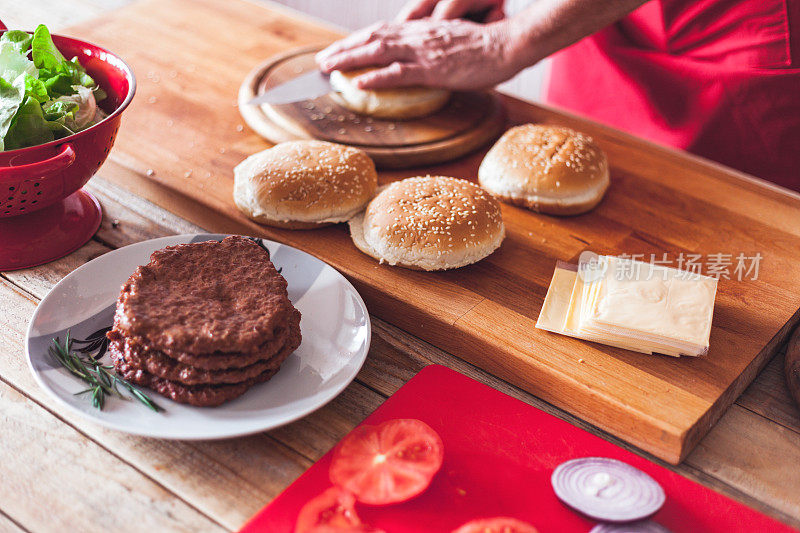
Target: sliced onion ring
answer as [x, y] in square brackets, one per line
[607, 490]
[647, 526]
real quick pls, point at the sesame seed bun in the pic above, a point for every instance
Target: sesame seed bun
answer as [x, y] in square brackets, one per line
[546, 169]
[429, 223]
[304, 184]
[401, 103]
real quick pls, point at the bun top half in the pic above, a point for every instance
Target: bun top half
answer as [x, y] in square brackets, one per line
[430, 223]
[306, 181]
[399, 103]
[546, 168]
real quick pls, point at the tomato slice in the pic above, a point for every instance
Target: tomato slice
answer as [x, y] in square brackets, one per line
[333, 511]
[388, 463]
[496, 525]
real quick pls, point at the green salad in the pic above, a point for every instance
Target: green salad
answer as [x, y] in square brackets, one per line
[43, 95]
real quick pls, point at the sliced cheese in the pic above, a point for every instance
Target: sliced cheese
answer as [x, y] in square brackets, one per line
[557, 314]
[632, 305]
[554, 309]
[654, 303]
[583, 291]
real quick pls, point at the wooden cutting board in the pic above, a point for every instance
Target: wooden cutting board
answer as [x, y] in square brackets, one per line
[183, 134]
[499, 454]
[468, 120]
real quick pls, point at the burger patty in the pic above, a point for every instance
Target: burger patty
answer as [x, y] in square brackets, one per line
[160, 365]
[205, 297]
[219, 360]
[197, 395]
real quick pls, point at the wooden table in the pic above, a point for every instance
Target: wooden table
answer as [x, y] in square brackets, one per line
[62, 472]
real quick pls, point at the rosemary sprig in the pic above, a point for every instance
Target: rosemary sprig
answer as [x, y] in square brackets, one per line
[101, 379]
[259, 242]
[95, 344]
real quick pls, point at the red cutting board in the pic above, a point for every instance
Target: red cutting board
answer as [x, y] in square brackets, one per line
[499, 455]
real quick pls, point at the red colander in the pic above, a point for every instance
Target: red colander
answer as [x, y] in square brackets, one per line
[44, 213]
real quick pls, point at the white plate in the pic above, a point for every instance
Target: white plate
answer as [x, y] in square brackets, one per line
[336, 336]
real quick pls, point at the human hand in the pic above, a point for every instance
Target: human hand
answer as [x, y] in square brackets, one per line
[453, 54]
[451, 9]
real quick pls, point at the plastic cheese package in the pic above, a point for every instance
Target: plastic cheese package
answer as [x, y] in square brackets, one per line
[632, 305]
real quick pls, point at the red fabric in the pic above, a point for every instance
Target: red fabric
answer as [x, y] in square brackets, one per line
[720, 78]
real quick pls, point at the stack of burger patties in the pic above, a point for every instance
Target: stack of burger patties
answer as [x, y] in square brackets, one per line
[201, 323]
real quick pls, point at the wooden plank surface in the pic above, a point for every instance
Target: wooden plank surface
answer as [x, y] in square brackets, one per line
[792, 367]
[227, 481]
[230, 480]
[180, 141]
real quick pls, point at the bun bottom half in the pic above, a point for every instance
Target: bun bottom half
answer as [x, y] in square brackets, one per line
[386, 109]
[550, 207]
[284, 224]
[357, 234]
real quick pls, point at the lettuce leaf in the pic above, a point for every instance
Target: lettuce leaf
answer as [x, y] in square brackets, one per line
[29, 127]
[79, 74]
[20, 39]
[58, 114]
[13, 64]
[99, 94]
[11, 96]
[84, 108]
[57, 110]
[15, 69]
[58, 73]
[57, 85]
[35, 88]
[43, 50]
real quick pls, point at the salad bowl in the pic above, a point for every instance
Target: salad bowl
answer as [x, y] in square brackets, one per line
[44, 213]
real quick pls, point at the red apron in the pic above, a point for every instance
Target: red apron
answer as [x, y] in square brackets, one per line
[719, 78]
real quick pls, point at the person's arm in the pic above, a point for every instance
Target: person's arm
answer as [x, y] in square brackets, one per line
[451, 9]
[547, 26]
[458, 54]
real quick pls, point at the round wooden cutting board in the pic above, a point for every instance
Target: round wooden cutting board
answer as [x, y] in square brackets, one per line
[468, 121]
